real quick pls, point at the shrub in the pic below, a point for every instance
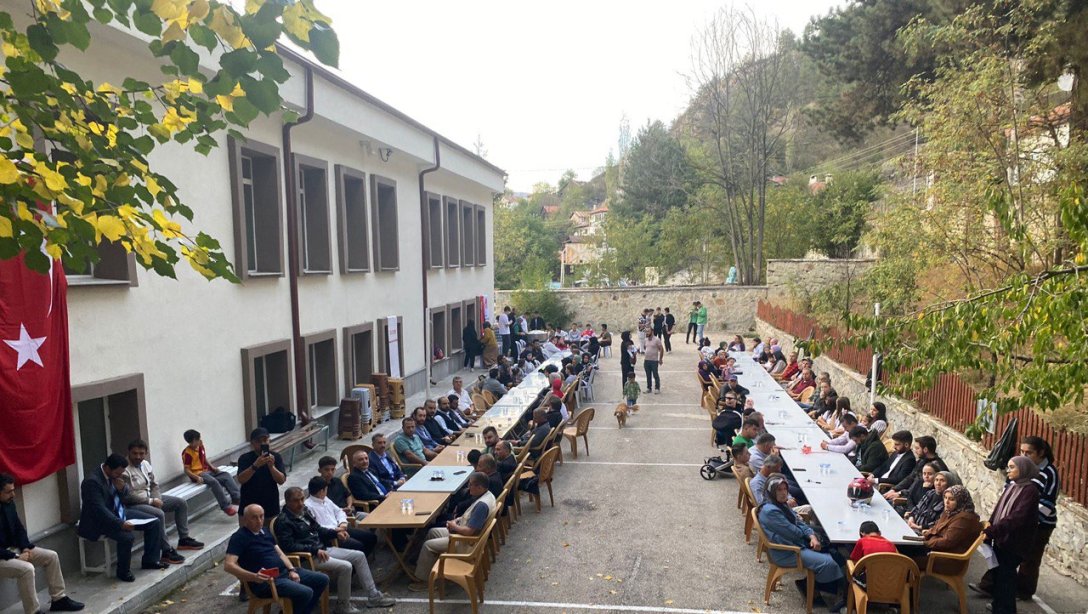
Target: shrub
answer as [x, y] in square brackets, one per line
[545, 302]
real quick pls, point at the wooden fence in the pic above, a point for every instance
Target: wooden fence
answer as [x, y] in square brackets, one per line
[950, 400]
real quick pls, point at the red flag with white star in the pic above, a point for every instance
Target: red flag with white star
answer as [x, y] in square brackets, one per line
[37, 437]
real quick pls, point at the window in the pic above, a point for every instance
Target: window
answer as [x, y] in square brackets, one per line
[384, 208]
[266, 385]
[481, 236]
[456, 324]
[453, 233]
[351, 211]
[434, 220]
[469, 313]
[468, 234]
[383, 340]
[313, 214]
[439, 334]
[255, 195]
[322, 389]
[358, 354]
[115, 266]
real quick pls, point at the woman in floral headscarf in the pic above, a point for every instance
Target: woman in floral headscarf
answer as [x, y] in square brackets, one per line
[1012, 529]
[954, 531]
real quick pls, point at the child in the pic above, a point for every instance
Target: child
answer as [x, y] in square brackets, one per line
[871, 542]
[630, 392]
[221, 483]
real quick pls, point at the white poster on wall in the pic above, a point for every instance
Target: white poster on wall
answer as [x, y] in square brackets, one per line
[394, 346]
[485, 305]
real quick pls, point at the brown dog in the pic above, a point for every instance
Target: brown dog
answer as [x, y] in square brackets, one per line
[621, 414]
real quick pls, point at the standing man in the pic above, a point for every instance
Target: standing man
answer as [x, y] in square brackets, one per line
[693, 317]
[655, 356]
[19, 558]
[670, 323]
[700, 320]
[260, 472]
[537, 323]
[504, 330]
[144, 495]
[103, 512]
[659, 322]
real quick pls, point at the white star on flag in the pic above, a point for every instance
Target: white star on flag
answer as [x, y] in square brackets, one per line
[27, 347]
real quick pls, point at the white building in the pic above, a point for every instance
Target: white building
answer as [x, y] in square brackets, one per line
[152, 357]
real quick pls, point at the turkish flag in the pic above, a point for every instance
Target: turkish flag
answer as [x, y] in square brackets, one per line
[37, 437]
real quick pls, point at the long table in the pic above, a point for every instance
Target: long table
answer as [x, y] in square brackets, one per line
[826, 492]
[432, 496]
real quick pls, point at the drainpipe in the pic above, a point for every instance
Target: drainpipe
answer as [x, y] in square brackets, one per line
[425, 217]
[293, 249]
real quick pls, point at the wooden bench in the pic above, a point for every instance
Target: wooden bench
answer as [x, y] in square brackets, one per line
[289, 442]
[186, 491]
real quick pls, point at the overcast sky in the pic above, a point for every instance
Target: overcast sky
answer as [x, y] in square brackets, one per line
[544, 85]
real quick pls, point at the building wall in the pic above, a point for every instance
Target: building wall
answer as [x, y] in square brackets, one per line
[785, 278]
[1066, 553]
[729, 308]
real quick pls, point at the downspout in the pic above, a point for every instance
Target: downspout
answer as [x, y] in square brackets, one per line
[425, 226]
[291, 183]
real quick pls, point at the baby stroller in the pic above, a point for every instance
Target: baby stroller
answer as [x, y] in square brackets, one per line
[718, 466]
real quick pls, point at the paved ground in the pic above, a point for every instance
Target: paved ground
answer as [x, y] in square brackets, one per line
[634, 528]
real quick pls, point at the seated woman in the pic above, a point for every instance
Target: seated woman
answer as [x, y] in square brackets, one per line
[705, 349]
[955, 531]
[782, 526]
[878, 413]
[720, 358]
[777, 362]
[926, 512]
[704, 375]
[737, 345]
[919, 488]
[831, 421]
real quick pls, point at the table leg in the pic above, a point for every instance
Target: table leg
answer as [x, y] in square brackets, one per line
[400, 556]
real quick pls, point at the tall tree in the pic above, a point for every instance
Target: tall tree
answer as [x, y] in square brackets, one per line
[657, 175]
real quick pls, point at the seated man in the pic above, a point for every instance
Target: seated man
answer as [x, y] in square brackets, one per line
[491, 437]
[383, 466]
[470, 523]
[550, 348]
[252, 550]
[871, 452]
[488, 466]
[557, 412]
[144, 495]
[741, 456]
[464, 397]
[19, 558]
[924, 449]
[103, 513]
[732, 386]
[493, 385]
[335, 490]
[410, 447]
[429, 442]
[728, 420]
[298, 531]
[436, 427]
[330, 516]
[508, 463]
[363, 484]
[537, 433]
[897, 466]
[455, 422]
[749, 430]
[843, 444]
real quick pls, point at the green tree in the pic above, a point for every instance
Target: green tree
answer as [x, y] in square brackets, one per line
[526, 250]
[656, 175]
[96, 172]
[839, 212]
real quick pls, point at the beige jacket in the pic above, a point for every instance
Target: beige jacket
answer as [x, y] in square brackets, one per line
[142, 486]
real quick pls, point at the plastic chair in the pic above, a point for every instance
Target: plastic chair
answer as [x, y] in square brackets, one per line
[349, 451]
[954, 581]
[806, 394]
[297, 558]
[479, 403]
[409, 469]
[544, 471]
[264, 604]
[579, 429]
[467, 570]
[587, 386]
[362, 506]
[889, 578]
[776, 571]
[606, 350]
[490, 398]
[716, 383]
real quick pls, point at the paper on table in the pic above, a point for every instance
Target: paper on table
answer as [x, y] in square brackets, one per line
[988, 553]
[136, 522]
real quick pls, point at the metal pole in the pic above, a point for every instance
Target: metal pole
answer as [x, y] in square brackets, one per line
[872, 371]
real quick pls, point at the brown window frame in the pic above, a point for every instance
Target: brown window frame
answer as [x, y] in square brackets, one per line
[348, 237]
[468, 234]
[236, 150]
[444, 341]
[468, 306]
[481, 236]
[455, 343]
[383, 344]
[332, 397]
[378, 217]
[439, 250]
[453, 231]
[313, 224]
[249, 378]
[350, 359]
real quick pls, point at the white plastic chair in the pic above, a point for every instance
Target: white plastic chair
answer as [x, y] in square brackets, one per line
[587, 385]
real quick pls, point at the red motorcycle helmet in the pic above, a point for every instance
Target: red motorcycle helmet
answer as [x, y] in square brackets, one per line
[859, 490]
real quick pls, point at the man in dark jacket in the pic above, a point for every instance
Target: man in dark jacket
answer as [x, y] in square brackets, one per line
[899, 465]
[925, 452]
[19, 558]
[103, 513]
[383, 465]
[297, 530]
[537, 322]
[870, 451]
[363, 484]
[435, 427]
[731, 386]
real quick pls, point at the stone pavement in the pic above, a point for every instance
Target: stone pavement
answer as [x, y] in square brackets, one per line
[634, 529]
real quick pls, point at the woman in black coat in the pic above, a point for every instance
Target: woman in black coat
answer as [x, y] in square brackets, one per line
[470, 342]
[627, 357]
[1012, 530]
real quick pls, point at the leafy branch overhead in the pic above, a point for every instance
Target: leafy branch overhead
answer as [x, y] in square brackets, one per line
[84, 146]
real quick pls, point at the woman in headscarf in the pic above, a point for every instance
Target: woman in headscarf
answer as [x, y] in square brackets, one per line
[954, 531]
[471, 342]
[704, 375]
[782, 526]
[490, 346]
[1012, 529]
[627, 356]
[925, 514]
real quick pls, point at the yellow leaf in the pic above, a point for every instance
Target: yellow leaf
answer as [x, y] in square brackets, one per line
[226, 102]
[296, 23]
[9, 173]
[168, 9]
[668, 602]
[111, 227]
[53, 250]
[6, 228]
[152, 186]
[174, 32]
[198, 10]
[195, 86]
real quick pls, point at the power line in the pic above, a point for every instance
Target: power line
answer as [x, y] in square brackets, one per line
[861, 153]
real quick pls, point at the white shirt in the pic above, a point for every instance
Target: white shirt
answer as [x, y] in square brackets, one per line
[504, 324]
[523, 323]
[757, 351]
[549, 349]
[464, 399]
[326, 512]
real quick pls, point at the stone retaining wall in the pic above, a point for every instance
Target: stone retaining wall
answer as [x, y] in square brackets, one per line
[729, 308]
[1069, 545]
[784, 277]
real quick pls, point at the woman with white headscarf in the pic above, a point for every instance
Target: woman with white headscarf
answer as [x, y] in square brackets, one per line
[1012, 529]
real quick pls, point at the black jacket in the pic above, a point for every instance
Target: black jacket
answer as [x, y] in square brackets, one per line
[916, 474]
[12, 532]
[507, 467]
[97, 516]
[436, 430]
[537, 323]
[871, 453]
[301, 533]
[902, 470]
[378, 469]
[362, 487]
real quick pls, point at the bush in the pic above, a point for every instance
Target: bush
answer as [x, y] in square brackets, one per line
[545, 302]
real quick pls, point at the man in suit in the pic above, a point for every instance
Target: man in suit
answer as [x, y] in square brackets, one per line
[924, 449]
[537, 322]
[363, 484]
[19, 558]
[897, 466]
[383, 465]
[435, 425]
[103, 513]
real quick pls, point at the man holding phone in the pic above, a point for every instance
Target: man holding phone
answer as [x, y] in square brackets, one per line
[260, 472]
